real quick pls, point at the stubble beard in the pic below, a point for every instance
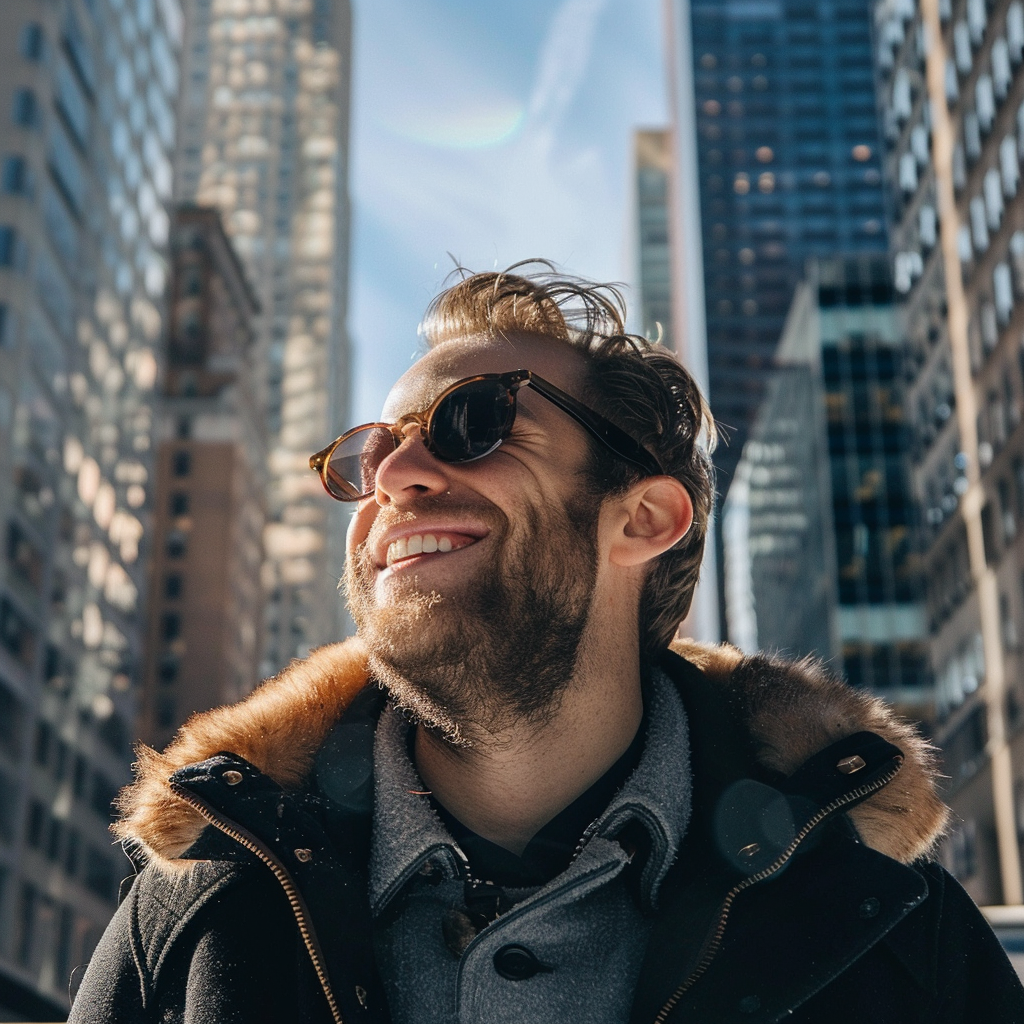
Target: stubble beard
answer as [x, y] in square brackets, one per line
[496, 650]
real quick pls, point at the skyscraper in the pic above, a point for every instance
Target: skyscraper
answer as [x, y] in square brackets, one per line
[819, 522]
[264, 139]
[787, 145]
[87, 93]
[205, 601]
[953, 95]
[653, 167]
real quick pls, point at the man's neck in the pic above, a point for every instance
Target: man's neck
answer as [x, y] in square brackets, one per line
[506, 787]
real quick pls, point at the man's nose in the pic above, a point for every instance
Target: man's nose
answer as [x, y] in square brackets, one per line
[410, 471]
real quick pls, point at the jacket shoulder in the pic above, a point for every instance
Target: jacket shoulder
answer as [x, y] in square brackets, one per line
[761, 716]
[161, 906]
[951, 951]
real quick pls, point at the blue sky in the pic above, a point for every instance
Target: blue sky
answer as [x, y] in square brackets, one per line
[493, 132]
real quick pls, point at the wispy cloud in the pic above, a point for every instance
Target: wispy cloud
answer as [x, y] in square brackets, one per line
[494, 134]
[563, 60]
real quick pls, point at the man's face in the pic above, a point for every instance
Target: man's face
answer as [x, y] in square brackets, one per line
[472, 583]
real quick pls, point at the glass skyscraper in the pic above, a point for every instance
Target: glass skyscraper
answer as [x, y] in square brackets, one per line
[87, 125]
[652, 167]
[264, 139]
[819, 523]
[788, 148]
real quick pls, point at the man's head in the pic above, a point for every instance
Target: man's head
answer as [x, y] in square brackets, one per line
[515, 594]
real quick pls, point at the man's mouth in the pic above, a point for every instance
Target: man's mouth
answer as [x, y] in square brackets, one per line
[426, 544]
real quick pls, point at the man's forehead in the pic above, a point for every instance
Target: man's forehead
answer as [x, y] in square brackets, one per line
[463, 357]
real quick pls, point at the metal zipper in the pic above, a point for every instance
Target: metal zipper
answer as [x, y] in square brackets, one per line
[298, 904]
[714, 941]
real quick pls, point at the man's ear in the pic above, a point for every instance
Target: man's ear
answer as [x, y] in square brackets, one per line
[648, 519]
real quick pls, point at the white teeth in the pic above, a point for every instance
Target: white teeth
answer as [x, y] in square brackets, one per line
[426, 544]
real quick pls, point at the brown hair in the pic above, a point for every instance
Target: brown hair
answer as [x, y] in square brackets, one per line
[636, 383]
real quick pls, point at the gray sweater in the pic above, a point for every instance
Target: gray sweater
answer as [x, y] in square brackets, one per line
[569, 950]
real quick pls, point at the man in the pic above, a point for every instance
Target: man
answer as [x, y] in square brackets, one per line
[540, 812]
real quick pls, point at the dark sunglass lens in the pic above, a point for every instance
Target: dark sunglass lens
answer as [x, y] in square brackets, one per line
[472, 421]
[352, 470]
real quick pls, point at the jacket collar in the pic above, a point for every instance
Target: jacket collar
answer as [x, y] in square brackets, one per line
[656, 798]
[774, 715]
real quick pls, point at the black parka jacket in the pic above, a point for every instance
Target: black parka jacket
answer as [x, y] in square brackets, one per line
[802, 891]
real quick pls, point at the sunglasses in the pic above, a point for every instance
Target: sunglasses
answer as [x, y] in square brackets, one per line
[465, 422]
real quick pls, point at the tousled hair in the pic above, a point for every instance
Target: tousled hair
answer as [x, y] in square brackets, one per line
[637, 384]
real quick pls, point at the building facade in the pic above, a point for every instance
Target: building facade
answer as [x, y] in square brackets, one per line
[264, 139]
[819, 526]
[206, 598]
[87, 93]
[953, 98]
[788, 168]
[652, 162]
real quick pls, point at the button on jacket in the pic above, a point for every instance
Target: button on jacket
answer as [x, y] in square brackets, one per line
[801, 890]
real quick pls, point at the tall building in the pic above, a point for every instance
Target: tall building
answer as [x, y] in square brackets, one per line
[781, 109]
[652, 159]
[205, 601]
[953, 96]
[663, 317]
[818, 525]
[87, 92]
[264, 139]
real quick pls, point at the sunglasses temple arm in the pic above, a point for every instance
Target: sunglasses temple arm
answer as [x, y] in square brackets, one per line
[607, 433]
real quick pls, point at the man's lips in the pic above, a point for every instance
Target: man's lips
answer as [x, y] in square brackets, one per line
[408, 542]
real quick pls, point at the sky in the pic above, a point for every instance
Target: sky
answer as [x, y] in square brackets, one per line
[488, 132]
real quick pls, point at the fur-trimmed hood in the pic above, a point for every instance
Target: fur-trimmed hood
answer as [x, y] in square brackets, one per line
[791, 711]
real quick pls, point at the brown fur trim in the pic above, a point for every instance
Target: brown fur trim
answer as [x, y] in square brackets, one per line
[794, 709]
[279, 727]
[791, 711]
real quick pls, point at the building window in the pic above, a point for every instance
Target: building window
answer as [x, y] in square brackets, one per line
[54, 838]
[44, 740]
[962, 851]
[80, 777]
[36, 825]
[182, 463]
[8, 246]
[99, 875]
[171, 626]
[172, 586]
[14, 176]
[11, 720]
[1007, 623]
[72, 853]
[179, 503]
[104, 793]
[165, 713]
[23, 556]
[26, 922]
[169, 665]
[16, 635]
[31, 41]
[177, 544]
[25, 111]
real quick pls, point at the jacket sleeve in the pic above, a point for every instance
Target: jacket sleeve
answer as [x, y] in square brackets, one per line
[112, 987]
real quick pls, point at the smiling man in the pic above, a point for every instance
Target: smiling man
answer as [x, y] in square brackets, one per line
[514, 796]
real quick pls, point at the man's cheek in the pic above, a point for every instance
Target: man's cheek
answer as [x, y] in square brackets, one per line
[359, 525]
